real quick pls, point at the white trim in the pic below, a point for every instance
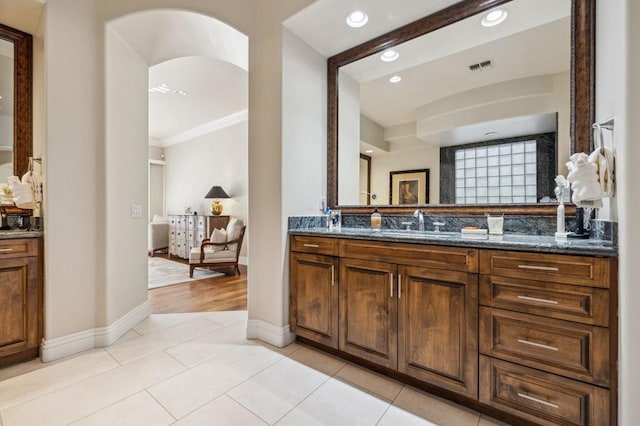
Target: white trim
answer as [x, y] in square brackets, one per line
[206, 128]
[70, 344]
[160, 162]
[278, 336]
[243, 260]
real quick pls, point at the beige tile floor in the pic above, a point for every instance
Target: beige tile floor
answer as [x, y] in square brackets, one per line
[198, 369]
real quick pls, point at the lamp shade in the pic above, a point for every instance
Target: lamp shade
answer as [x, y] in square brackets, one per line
[216, 192]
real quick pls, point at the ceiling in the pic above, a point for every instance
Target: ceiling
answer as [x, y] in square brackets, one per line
[22, 15]
[203, 63]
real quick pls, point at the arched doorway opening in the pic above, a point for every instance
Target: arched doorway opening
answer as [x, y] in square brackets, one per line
[177, 94]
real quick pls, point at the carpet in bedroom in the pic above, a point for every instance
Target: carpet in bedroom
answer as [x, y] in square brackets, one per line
[163, 272]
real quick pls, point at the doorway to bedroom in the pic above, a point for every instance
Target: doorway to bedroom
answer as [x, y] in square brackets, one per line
[197, 99]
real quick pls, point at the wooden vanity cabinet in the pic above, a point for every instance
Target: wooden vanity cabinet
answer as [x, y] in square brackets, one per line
[20, 300]
[412, 309]
[548, 345]
[313, 305]
[531, 335]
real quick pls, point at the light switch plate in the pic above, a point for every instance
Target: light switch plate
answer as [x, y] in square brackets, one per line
[136, 210]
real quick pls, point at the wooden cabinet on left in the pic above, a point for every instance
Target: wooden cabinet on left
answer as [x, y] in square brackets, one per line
[21, 299]
[314, 290]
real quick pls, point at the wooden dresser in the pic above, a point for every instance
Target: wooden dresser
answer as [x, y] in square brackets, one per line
[529, 335]
[21, 299]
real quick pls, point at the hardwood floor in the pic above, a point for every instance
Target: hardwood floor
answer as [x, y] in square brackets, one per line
[227, 293]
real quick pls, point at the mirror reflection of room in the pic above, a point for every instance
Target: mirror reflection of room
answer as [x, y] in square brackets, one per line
[6, 110]
[485, 109]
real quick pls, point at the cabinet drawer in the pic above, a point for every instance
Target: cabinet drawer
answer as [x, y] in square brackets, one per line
[10, 249]
[574, 303]
[540, 397]
[438, 257]
[577, 270]
[316, 245]
[574, 350]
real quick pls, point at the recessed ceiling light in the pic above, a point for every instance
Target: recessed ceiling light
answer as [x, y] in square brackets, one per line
[389, 55]
[369, 151]
[395, 79]
[494, 17]
[357, 19]
[181, 92]
[160, 89]
[490, 133]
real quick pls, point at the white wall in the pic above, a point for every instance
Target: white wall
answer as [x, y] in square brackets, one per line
[74, 247]
[628, 204]
[304, 128]
[218, 158]
[125, 149]
[618, 95]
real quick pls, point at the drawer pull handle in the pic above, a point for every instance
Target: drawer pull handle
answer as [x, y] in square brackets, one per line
[539, 268]
[333, 275]
[399, 286]
[6, 250]
[312, 245]
[539, 401]
[537, 345]
[536, 299]
[391, 284]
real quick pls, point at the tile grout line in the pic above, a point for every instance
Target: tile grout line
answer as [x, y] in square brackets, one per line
[224, 392]
[58, 389]
[288, 411]
[161, 404]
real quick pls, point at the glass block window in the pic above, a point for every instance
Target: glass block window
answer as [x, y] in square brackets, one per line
[496, 174]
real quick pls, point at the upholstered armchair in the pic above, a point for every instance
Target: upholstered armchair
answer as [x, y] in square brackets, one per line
[158, 235]
[221, 251]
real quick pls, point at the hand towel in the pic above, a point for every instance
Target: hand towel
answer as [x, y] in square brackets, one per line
[604, 160]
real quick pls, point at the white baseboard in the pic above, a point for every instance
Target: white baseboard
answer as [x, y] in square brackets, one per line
[278, 336]
[243, 260]
[70, 344]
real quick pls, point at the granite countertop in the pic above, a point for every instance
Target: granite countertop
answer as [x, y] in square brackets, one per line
[519, 242]
[12, 234]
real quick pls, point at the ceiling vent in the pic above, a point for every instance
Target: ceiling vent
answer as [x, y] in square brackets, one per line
[481, 66]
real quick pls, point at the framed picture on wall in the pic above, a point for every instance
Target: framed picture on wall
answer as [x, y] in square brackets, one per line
[409, 187]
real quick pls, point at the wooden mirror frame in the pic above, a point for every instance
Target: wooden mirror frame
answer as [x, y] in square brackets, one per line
[23, 97]
[582, 98]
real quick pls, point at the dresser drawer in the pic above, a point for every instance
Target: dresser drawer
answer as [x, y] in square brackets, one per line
[587, 305]
[574, 350]
[577, 270]
[437, 257]
[316, 245]
[10, 249]
[540, 397]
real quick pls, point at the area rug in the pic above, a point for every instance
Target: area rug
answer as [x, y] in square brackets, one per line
[163, 272]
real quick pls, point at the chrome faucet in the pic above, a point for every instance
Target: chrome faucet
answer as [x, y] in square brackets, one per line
[418, 213]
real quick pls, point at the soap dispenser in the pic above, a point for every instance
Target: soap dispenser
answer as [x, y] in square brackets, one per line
[376, 220]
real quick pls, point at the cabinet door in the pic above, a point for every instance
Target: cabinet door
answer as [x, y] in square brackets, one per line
[20, 303]
[437, 330]
[369, 311]
[314, 297]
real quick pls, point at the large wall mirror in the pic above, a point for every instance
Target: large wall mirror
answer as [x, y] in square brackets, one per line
[15, 102]
[490, 112]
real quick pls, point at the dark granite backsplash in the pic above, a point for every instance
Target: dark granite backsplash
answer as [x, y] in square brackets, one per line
[530, 225]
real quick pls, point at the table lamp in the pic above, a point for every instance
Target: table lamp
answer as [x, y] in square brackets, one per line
[216, 192]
